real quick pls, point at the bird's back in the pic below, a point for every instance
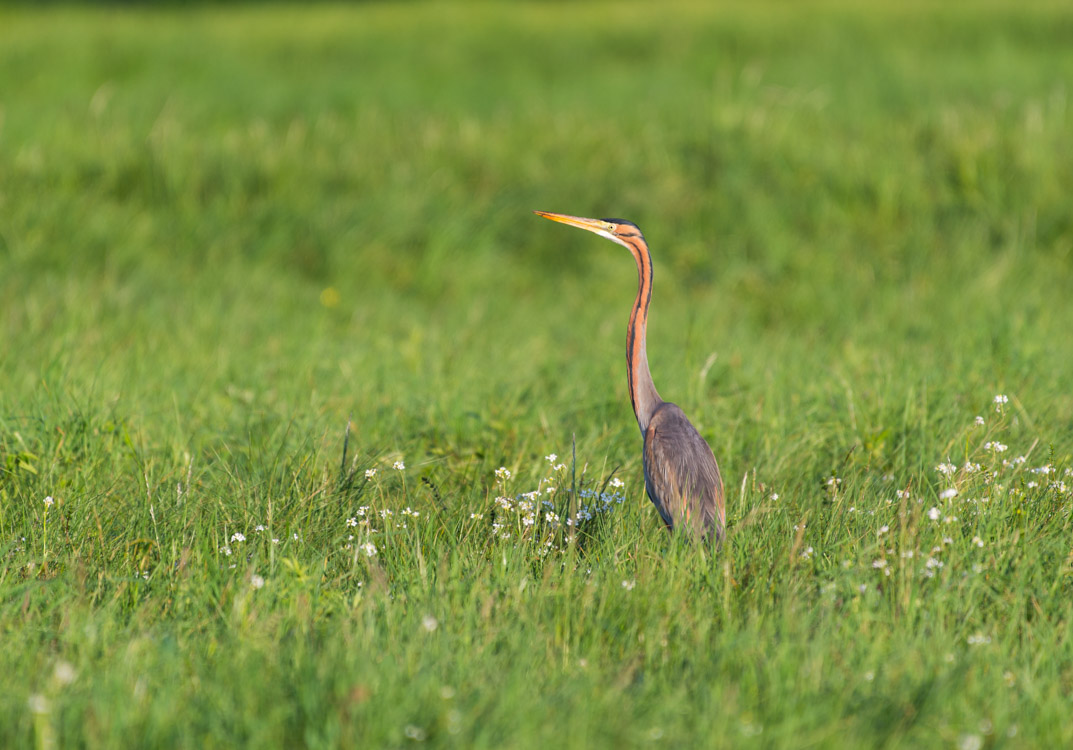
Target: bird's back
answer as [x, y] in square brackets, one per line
[681, 476]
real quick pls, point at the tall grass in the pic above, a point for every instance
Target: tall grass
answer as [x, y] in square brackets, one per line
[253, 259]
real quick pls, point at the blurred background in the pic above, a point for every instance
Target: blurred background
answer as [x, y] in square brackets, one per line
[246, 211]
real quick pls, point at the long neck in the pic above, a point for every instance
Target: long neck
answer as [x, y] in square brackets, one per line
[643, 392]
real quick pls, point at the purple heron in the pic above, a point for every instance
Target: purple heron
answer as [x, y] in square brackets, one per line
[681, 476]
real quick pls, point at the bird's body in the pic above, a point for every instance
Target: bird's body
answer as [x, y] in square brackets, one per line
[681, 475]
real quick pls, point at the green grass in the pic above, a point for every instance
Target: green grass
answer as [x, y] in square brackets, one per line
[226, 233]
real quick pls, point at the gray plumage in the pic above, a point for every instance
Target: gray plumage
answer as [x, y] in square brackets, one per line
[681, 475]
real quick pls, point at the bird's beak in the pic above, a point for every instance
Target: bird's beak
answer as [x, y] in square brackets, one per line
[602, 228]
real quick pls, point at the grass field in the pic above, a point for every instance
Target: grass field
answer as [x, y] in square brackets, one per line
[226, 234]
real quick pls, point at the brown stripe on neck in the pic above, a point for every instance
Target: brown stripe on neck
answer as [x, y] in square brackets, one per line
[635, 333]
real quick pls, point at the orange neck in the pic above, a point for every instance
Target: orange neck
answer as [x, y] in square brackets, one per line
[643, 392]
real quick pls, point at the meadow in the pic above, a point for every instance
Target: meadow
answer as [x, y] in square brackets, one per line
[312, 435]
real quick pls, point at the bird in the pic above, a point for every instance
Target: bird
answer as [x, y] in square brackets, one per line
[682, 477]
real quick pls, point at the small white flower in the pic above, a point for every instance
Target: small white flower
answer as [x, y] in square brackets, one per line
[558, 467]
[368, 548]
[883, 530]
[879, 564]
[259, 527]
[978, 541]
[978, 639]
[429, 623]
[370, 473]
[774, 495]
[352, 522]
[628, 585]
[64, 673]
[947, 468]
[979, 421]
[48, 501]
[238, 537]
[934, 514]
[807, 554]
[948, 493]
[503, 473]
[616, 483]
[226, 550]
[257, 581]
[398, 466]
[550, 458]
[275, 540]
[476, 515]
[995, 446]
[1001, 399]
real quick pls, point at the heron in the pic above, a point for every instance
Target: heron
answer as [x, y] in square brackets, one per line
[681, 474]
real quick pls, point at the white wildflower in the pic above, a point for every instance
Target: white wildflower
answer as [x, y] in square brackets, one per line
[370, 473]
[948, 493]
[628, 585]
[64, 673]
[48, 501]
[238, 537]
[934, 514]
[368, 548]
[398, 466]
[257, 581]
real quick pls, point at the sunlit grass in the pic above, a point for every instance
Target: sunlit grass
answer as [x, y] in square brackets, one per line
[312, 435]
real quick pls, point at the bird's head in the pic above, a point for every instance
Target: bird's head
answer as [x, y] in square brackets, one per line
[616, 230]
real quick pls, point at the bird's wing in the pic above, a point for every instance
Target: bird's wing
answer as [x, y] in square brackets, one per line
[681, 475]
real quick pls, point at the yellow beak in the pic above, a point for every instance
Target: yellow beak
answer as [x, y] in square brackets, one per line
[599, 226]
